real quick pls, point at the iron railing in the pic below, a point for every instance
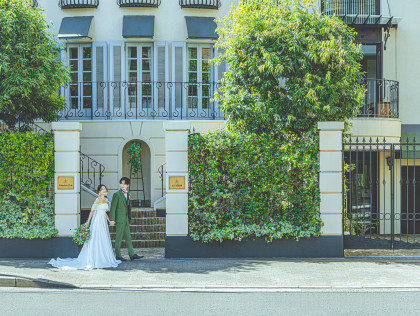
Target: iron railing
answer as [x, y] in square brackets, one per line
[138, 3]
[200, 4]
[382, 99]
[357, 11]
[382, 190]
[34, 3]
[141, 100]
[78, 4]
[161, 171]
[23, 128]
[91, 172]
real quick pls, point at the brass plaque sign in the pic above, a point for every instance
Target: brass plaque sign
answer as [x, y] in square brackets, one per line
[65, 183]
[177, 183]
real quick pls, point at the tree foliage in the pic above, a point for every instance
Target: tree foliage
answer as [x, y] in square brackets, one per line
[31, 71]
[289, 67]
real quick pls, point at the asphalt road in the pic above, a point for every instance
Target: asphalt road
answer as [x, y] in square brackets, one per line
[15, 301]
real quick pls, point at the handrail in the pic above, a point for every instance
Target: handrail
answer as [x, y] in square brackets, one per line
[91, 172]
[161, 172]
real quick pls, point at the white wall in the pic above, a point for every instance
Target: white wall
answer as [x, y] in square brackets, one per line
[104, 141]
[108, 18]
[401, 59]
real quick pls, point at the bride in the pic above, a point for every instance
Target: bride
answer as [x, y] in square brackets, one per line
[97, 252]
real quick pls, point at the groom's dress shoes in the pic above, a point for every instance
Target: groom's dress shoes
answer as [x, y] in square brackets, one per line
[121, 258]
[136, 257]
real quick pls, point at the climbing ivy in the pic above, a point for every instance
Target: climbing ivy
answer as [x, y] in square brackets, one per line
[246, 185]
[134, 151]
[26, 191]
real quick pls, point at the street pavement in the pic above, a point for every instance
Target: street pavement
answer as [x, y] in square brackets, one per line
[19, 301]
[157, 273]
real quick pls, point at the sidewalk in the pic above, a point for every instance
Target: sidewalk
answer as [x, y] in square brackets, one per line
[155, 272]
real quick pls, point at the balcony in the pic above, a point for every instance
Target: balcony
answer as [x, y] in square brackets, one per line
[381, 100]
[127, 100]
[358, 12]
[138, 3]
[200, 4]
[78, 4]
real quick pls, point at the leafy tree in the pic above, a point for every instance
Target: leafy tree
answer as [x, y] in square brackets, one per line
[31, 71]
[290, 67]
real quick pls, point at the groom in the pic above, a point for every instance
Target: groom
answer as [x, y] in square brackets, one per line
[120, 215]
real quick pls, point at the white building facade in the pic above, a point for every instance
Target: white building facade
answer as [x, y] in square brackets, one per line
[138, 63]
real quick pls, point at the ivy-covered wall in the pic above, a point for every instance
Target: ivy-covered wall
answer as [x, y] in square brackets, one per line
[26, 192]
[245, 185]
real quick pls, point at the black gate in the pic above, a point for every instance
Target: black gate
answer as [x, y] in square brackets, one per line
[382, 194]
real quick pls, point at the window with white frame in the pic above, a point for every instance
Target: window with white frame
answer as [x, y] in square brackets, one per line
[139, 75]
[80, 63]
[200, 76]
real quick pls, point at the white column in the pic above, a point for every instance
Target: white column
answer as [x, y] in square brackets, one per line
[176, 150]
[330, 177]
[67, 176]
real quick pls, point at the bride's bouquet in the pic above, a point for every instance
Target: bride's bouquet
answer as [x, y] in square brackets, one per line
[82, 234]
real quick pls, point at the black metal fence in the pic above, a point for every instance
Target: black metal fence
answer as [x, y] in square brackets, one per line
[142, 100]
[381, 99]
[138, 3]
[75, 4]
[382, 194]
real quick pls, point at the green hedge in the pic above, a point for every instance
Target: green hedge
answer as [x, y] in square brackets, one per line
[244, 186]
[26, 178]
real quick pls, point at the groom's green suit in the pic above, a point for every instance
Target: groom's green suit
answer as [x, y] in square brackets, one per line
[121, 213]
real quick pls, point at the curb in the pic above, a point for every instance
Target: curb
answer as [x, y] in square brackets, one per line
[13, 281]
[21, 282]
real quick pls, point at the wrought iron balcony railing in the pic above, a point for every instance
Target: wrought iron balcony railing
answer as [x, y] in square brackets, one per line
[353, 11]
[78, 4]
[200, 4]
[34, 3]
[382, 99]
[138, 3]
[141, 100]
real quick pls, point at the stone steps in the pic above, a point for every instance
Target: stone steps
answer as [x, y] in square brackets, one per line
[147, 230]
[143, 243]
[144, 235]
[157, 228]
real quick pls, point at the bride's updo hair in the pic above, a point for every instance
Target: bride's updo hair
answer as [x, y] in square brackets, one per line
[100, 187]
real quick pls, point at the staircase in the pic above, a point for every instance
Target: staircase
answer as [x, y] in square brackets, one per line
[147, 230]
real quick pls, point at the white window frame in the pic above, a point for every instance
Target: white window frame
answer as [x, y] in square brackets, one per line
[80, 81]
[139, 84]
[213, 72]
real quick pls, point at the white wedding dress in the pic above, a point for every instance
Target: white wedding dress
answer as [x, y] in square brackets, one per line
[97, 252]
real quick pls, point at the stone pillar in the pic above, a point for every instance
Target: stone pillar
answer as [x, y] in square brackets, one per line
[67, 176]
[176, 150]
[330, 177]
